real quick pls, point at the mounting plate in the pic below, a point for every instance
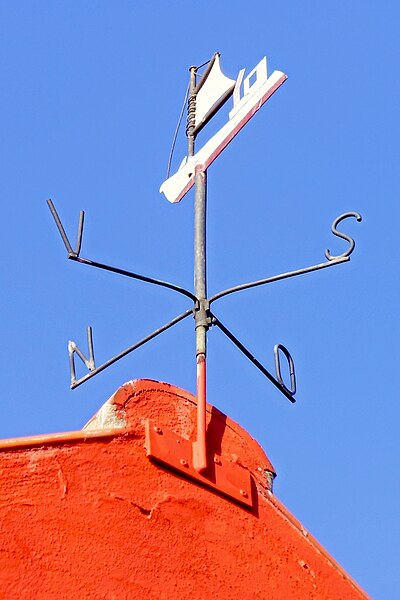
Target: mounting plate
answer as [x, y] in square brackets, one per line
[227, 478]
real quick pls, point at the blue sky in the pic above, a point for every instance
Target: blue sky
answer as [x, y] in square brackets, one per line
[91, 92]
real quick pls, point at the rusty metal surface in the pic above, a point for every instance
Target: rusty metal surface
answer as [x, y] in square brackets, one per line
[230, 479]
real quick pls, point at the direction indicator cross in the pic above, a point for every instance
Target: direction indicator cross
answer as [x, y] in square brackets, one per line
[207, 93]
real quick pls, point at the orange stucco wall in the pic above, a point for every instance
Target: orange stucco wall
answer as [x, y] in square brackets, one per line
[87, 515]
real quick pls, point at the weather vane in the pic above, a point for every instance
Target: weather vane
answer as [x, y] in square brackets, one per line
[207, 92]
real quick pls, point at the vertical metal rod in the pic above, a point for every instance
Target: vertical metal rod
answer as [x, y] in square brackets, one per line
[200, 283]
[199, 446]
[201, 325]
[200, 211]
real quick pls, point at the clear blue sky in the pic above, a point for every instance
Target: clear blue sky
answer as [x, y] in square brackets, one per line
[91, 92]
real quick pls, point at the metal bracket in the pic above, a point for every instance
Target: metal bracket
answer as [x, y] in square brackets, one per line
[227, 478]
[202, 314]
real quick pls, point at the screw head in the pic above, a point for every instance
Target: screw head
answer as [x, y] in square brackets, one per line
[217, 460]
[158, 430]
[244, 493]
[184, 462]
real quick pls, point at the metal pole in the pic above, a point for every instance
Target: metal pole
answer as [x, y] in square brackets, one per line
[200, 284]
[200, 290]
[200, 274]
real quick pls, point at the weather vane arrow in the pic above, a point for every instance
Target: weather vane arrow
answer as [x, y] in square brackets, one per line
[205, 98]
[207, 93]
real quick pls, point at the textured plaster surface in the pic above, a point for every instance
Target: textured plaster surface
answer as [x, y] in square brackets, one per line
[93, 518]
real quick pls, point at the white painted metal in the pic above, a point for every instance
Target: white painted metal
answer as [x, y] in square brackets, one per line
[255, 93]
[260, 75]
[212, 94]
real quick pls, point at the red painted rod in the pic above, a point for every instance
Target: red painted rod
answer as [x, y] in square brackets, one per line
[199, 446]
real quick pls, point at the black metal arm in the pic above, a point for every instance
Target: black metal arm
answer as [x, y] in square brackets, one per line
[279, 384]
[94, 371]
[74, 255]
[332, 260]
[209, 319]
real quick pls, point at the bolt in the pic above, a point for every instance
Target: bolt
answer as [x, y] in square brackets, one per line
[244, 493]
[184, 462]
[158, 430]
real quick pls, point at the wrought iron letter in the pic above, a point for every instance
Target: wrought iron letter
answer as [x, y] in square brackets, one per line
[343, 235]
[286, 352]
[67, 244]
[89, 362]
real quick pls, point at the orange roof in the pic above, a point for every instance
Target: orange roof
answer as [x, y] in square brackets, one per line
[88, 515]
